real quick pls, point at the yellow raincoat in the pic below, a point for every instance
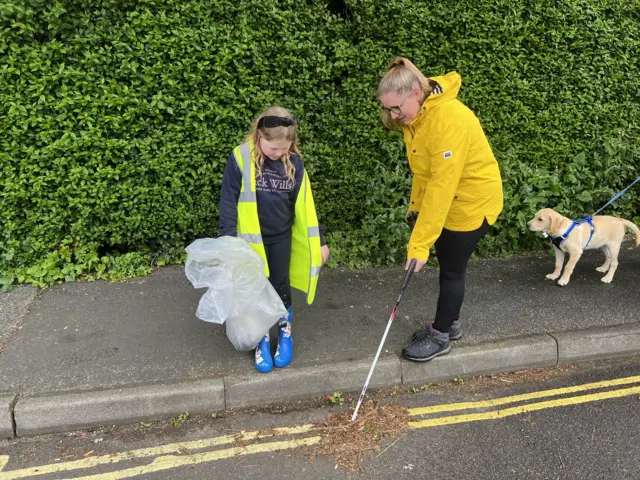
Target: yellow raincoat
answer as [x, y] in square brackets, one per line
[456, 179]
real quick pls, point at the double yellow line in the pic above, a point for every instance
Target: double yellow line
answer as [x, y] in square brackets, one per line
[173, 455]
[528, 407]
[179, 454]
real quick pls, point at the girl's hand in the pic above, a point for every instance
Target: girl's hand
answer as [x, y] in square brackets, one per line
[419, 265]
[325, 253]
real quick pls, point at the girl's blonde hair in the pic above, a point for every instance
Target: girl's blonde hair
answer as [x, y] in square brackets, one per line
[402, 75]
[274, 134]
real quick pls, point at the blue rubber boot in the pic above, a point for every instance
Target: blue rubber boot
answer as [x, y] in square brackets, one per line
[284, 353]
[264, 362]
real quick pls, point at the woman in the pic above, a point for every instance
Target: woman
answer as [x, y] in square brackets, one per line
[456, 188]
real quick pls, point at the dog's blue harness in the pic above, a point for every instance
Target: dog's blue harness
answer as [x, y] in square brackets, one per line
[557, 241]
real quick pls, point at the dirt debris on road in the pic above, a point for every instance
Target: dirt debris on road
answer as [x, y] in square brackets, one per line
[350, 441]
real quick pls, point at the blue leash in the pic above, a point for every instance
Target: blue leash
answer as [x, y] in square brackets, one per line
[617, 196]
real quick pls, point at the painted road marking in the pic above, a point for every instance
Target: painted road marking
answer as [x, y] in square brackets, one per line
[165, 459]
[171, 461]
[150, 452]
[452, 407]
[531, 407]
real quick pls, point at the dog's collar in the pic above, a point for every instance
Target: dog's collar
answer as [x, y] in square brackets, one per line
[557, 241]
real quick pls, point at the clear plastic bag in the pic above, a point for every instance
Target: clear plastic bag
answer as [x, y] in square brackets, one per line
[239, 294]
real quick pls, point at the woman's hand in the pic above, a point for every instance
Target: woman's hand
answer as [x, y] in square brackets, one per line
[325, 253]
[419, 265]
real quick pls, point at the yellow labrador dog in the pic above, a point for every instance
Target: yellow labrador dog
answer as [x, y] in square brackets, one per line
[607, 235]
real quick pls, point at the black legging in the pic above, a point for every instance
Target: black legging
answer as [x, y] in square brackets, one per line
[454, 250]
[279, 259]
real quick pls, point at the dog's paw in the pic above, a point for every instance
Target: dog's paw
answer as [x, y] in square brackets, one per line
[602, 269]
[606, 279]
[563, 281]
[552, 276]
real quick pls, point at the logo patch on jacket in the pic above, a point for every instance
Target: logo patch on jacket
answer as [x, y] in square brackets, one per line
[448, 154]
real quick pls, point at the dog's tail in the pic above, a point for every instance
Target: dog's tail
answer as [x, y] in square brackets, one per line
[632, 226]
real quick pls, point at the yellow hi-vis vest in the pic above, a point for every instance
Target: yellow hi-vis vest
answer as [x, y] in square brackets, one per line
[306, 256]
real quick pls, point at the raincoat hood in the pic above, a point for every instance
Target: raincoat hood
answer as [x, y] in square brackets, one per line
[450, 84]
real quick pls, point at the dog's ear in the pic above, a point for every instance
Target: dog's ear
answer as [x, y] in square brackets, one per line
[555, 221]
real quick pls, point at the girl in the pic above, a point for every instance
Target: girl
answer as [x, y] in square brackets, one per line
[266, 200]
[456, 186]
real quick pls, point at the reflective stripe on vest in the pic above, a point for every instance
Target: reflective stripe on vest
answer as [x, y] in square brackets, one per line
[248, 193]
[247, 197]
[251, 237]
[314, 232]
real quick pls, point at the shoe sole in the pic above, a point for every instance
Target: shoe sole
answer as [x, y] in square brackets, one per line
[426, 359]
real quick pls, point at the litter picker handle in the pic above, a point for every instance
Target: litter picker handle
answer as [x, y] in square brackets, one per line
[407, 275]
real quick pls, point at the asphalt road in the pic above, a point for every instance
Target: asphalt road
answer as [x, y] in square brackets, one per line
[545, 432]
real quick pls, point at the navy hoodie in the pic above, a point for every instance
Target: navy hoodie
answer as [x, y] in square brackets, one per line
[276, 197]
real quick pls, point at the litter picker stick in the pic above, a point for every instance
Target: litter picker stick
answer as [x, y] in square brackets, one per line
[407, 277]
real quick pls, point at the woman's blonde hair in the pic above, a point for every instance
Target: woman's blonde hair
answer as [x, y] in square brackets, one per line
[402, 75]
[274, 134]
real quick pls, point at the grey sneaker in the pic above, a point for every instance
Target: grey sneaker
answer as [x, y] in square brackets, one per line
[455, 332]
[432, 345]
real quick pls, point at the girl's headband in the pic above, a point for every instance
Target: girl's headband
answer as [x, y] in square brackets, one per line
[272, 121]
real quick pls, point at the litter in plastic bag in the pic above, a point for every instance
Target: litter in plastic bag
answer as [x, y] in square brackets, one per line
[239, 294]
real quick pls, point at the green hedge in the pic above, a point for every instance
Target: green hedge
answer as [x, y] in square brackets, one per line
[116, 117]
